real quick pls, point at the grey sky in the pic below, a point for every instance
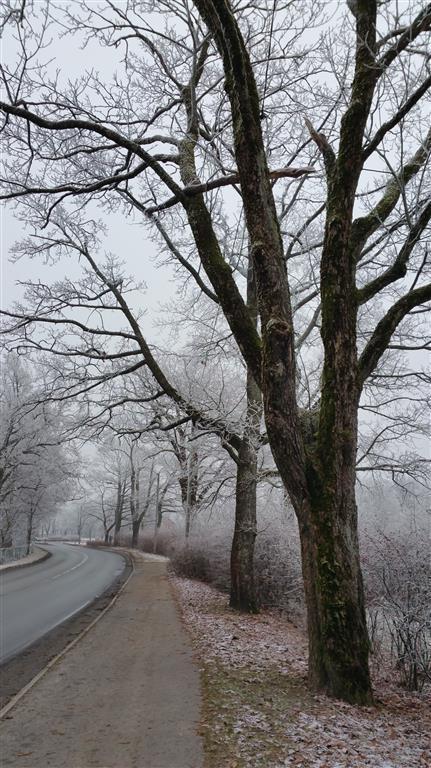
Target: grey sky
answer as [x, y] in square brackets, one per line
[127, 240]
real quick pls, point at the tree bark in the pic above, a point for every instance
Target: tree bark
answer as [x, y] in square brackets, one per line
[337, 631]
[243, 588]
[136, 524]
[320, 478]
[121, 487]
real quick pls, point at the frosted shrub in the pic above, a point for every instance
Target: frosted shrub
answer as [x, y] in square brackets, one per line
[397, 571]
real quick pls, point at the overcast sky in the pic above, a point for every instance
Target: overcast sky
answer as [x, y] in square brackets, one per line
[127, 240]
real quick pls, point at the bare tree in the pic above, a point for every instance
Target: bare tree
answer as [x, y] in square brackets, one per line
[371, 256]
[36, 471]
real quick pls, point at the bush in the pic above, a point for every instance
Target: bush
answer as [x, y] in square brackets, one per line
[165, 544]
[206, 557]
[278, 571]
[397, 572]
[277, 566]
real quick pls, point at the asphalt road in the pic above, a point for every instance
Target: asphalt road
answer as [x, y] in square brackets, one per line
[35, 599]
[126, 696]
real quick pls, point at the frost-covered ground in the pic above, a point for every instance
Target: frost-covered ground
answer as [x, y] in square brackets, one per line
[259, 713]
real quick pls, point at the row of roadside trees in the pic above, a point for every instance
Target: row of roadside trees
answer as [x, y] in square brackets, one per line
[37, 472]
[293, 203]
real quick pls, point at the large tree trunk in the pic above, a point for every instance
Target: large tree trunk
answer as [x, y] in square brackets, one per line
[243, 590]
[326, 508]
[337, 631]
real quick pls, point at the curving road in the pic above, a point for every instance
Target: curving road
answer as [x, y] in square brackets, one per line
[35, 599]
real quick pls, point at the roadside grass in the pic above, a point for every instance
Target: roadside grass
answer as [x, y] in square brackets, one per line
[243, 715]
[259, 713]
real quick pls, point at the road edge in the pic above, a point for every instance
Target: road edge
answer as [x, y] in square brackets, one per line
[6, 567]
[22, 692]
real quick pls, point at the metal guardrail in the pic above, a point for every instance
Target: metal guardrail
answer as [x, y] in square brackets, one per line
[9, 554]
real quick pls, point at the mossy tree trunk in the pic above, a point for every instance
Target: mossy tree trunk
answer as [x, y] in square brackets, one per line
[337, 632]
[319, 474]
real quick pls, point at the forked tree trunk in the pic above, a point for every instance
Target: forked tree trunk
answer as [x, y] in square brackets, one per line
[319, 479]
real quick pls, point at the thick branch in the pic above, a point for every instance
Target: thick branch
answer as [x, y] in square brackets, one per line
[278, 371]
[99, 129]
[383, 332]
[396, 118]
[289, 172]
[399, 268]
[353, 122]
[421, 23]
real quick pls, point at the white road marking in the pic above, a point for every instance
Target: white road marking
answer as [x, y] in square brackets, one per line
[63, 573]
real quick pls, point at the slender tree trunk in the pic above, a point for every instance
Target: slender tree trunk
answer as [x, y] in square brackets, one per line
[243, 589]
[188, 522]
[134, 500]
[119, 511]
[136, 524]
[29, 533]
[192, 487]
[156, 513]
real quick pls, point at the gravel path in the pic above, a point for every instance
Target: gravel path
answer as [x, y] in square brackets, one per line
[127, 696]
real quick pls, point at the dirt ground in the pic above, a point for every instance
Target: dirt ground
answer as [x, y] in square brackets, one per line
[126, 696]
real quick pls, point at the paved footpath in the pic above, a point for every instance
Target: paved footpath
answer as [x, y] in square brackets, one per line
[126, 696]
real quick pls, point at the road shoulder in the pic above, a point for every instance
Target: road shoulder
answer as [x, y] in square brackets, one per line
[127, 695]
[37, 556]
[21, 669]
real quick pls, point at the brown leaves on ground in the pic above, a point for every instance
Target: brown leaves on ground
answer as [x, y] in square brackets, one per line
[259, 713]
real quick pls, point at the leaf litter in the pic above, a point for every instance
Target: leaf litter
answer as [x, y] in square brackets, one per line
[259, 713]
